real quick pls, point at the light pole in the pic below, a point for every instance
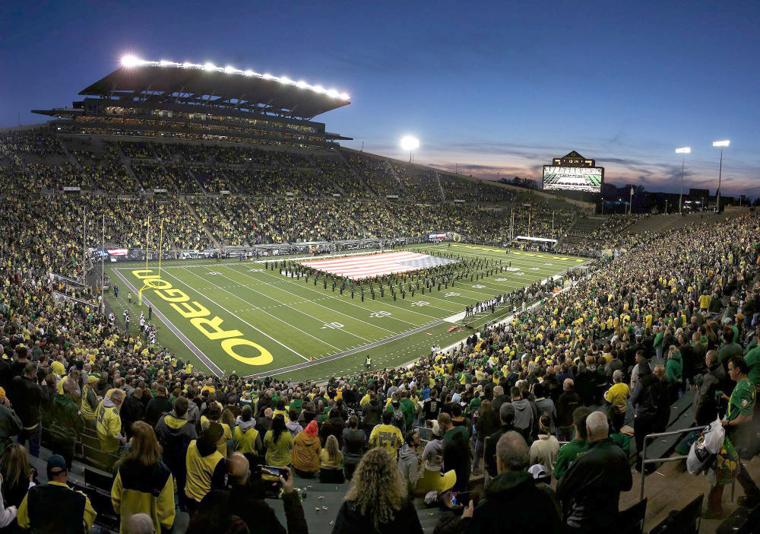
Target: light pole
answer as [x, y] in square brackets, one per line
[724, 143]
[409, 143]
[682, 150]
[630, 203]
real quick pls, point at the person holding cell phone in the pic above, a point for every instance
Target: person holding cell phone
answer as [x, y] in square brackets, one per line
[243, 503]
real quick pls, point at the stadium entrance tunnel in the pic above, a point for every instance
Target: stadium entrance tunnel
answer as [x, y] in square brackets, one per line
[231, 341]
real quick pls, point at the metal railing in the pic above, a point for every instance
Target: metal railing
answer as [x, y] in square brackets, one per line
[645, 460]
[678, 458]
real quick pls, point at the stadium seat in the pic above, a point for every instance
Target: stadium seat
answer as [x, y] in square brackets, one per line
[742, 521]
[631, 521]
[684, 521]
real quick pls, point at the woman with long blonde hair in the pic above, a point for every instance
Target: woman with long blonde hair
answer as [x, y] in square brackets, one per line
[16, 474]
[331, 462]
[377, 501]
[143, 483]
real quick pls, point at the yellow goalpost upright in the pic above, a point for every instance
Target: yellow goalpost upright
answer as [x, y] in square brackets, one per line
[147, 254]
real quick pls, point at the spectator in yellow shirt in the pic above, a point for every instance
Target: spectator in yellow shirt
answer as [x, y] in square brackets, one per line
[617, 396]
[386, 435]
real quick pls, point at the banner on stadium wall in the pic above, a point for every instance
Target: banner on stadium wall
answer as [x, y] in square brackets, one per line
[71, 189]
[160, 191]
[436, 237]
[117, 251]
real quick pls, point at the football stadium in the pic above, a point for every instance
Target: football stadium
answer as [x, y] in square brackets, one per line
[216, 312]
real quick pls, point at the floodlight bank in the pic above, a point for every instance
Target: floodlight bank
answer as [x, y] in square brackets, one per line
[129, 61]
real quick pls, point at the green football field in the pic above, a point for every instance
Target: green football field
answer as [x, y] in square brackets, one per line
[239, 316]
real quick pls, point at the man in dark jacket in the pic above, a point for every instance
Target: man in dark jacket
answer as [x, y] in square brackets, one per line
[713, 380]
[10, 424]
[507, 419]
[27, 398]
[456, 450]
[157, 406]
[590, 490]
[243, 503]
[568, 402]
[649, 400]
[332, 427]
[513, 498]
[132, 410]
[175, 433]
[371, 414]
[499, 398]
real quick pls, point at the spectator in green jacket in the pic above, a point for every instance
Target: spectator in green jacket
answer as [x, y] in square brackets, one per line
[674, 373]
[67, 423]
[570, 451]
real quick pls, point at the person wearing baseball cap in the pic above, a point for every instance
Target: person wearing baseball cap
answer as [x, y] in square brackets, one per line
[55, 507]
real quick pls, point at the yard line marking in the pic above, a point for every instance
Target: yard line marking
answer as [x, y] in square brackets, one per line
[243, 320]
[237, 285]
[314, 300]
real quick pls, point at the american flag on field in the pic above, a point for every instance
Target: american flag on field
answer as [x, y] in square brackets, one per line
[371, 265]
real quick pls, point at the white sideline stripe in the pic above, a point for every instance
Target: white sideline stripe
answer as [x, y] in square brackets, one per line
[243, 320]
[205, 360]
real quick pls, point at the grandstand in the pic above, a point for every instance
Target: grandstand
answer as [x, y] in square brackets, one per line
[219, 208]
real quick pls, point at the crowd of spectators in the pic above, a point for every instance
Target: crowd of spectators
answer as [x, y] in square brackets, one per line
[633, 333]
[590, 365]
[282, 196]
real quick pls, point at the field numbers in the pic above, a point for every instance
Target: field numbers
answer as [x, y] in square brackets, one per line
[420, 303]
[213, 273]
[379, 314]
[451, 294]
[500, 279]
[333, 326]
[478, 286]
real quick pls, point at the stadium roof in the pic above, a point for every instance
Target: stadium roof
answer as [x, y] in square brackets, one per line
[215, 86]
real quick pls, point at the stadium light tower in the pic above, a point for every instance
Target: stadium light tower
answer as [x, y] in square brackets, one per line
[409, 143]
[129, 61]
[724, 143]
[683, 151]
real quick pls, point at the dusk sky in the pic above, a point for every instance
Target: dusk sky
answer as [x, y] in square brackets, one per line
[497, 88]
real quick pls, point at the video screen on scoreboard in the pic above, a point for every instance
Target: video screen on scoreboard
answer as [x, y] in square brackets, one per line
[587, 179]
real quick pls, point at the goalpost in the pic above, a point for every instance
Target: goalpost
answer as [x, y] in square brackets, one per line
[147, 255]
